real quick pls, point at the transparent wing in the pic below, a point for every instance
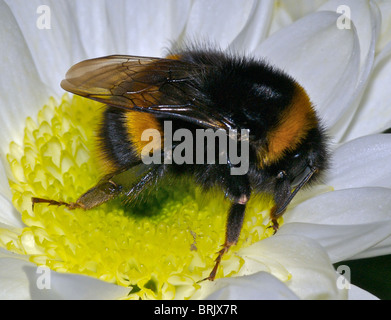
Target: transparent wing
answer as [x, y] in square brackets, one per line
[153, 85]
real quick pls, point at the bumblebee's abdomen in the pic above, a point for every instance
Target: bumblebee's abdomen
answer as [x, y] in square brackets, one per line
[140, 123]
[119, 137]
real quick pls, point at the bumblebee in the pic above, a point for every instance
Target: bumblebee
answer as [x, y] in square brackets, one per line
[201, 89]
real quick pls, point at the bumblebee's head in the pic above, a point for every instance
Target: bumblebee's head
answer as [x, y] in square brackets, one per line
[310, 158]
[297, 168]
[293, 147]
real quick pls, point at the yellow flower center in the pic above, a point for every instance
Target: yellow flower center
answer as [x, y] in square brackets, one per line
[159, 248]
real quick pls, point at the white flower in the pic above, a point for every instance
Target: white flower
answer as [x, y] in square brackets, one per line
[345, 72]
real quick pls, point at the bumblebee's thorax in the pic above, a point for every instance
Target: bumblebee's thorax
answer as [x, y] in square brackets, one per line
[258, 97]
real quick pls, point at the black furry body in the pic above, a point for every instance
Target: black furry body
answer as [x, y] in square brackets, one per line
[252, 95]
[202, 89]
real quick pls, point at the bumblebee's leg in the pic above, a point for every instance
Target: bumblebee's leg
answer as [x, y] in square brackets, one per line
[102, 192]
[281, 194]
[50, 202]
[105, 190]
[149, 178]
[234, 226]
[273, 216]
[238, 190]
[129, 183]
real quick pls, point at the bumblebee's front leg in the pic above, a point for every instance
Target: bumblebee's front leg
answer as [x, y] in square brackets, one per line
[102, 192]
[282, 192]
[234, 226]
[238, 189]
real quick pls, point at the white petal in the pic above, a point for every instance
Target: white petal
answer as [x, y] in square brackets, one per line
[311, 274]
[258, 286]
[217, 22]
[90, 28]
[345, 242]
[362, 162]
[385, 32]
[381, 248]
[374, 112]
[20, 279]
[256, 28]
[286, 12]
[343, 207]
[14, 283]
[366, 18]
[4, 186]
[79, 31]
[322, 58]
[356, 293]
[349, 223]
[9, 216]
[143, 27]
[65, 286]
[23, 92]
[53, 50]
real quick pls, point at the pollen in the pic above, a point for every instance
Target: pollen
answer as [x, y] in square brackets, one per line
[159, 248]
